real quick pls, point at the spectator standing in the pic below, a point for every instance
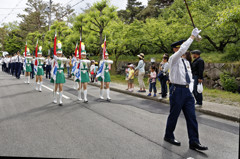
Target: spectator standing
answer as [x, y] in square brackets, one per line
[131, 78]
[152, 81]
[197, 71]
[164, 76]
[141, 72]
[127, 73]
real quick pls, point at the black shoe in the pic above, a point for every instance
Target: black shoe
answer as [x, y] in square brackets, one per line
[197, 146]
[172, 141]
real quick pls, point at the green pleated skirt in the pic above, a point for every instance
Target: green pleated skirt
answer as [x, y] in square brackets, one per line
[84, 77]
[60, 78]
[40, 71]
[28, 68]
[107, 77]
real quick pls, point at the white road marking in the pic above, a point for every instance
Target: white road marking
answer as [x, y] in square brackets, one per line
[66, 97]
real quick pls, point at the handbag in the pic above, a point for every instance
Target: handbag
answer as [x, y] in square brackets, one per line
[160, 75]
[199, 88]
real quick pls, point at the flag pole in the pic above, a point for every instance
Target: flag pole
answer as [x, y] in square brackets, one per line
[189, 13]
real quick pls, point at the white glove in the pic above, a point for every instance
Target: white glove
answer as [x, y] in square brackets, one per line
[195, 32]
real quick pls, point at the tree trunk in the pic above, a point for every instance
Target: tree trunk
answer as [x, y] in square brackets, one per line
[100, 43]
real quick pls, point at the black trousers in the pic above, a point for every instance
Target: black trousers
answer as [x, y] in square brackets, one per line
[164, 86]
[198, 96]
[3, 66]
[18, 70]
[48, 71]
[32, 73]
[13, 68]
[181, 99]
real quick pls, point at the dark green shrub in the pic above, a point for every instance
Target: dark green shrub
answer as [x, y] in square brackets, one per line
[228, 82]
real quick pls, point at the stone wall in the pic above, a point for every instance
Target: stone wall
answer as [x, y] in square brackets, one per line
[212, 72]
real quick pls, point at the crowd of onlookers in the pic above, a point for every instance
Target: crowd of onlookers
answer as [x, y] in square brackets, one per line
[160, 74]
[156, 73]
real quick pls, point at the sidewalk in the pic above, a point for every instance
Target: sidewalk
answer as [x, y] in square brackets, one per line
[219, 110]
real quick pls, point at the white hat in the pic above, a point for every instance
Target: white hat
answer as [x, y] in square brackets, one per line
[141, 55]
[131, 65]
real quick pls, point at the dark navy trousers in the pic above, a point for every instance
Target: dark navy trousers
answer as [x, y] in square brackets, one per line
[18, 69]
[13, 68]
[152, 86]
[181, 99]
[164, 86]
[48, 71]
[198, 96]
[32, 73]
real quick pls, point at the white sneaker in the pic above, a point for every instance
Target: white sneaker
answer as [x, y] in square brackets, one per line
[80, 98]
[55, 101]
[198, 105]
[101, 98]
[40, 89]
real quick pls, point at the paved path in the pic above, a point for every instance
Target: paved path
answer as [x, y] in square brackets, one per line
[126, 128]
[219, 110]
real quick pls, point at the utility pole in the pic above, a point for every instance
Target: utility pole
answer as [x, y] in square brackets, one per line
[50, 14]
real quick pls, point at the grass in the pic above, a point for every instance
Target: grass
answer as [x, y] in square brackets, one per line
[211, 95]
[220, 96]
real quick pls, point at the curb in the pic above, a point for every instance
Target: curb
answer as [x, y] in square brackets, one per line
[212, 113]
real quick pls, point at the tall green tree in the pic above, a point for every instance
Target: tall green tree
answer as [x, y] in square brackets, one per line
[14, 42]
[132, 11]
[98, 18]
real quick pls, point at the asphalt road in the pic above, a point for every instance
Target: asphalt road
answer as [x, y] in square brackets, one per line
[125, 128]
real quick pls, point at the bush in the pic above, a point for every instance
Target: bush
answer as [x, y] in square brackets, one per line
[229, 83]
[232, 53]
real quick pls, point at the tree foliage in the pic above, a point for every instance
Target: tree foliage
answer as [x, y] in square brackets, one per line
[136, 29]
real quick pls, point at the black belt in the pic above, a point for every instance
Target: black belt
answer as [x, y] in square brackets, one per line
[179, 85]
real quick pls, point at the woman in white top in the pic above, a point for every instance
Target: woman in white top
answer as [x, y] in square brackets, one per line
[141, 72]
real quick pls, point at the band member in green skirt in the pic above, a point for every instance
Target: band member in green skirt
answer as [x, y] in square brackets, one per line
[28, 68]
[84, 72]
[60, 78]
[107, 78]
[40, 72]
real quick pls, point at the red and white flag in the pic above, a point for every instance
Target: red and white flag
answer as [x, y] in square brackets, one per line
[55, 45]
[104, 48]
[80, 48]
[36, 60]
[26, 49]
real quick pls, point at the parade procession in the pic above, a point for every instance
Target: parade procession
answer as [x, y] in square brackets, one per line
[132, 79]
